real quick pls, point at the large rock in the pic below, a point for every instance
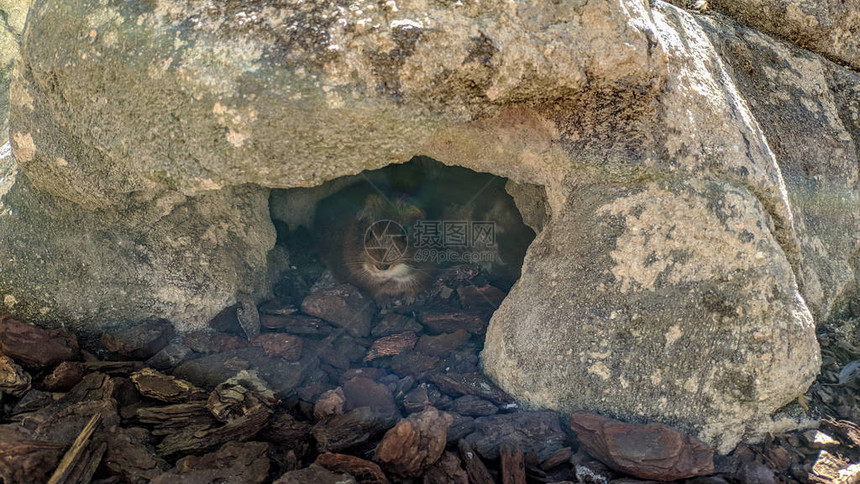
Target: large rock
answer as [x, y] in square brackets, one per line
[12, 15]
[828, 27]
[679, 240]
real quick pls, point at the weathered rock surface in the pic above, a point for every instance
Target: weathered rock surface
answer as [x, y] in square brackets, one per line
[828, 27]
[689, 233]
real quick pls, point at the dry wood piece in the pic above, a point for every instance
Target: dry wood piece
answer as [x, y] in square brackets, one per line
[364, 471]
[154, 384]
[391, 345]
[415, 443]
[77, 462]
[513, 466]
[232, 399]
[24, 460]
[849, 431]
[286, 346]
[355, 427]
[298, 324]
[394, 323]
[65, 376]
[316, 474]
[13, 379]
[474, 406]
[140, 341]
[168, 419]
[129, 455]
[557, 458]
[113, 367]
[36, 347]
[446, 470]
[477, 384]
[475, 468]
[651, 451]
[443, 344]
[830, 469]
[448, 320]
[193, 440]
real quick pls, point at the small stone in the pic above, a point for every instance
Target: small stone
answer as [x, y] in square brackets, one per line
[651, 451]
[447, 470]
[477, 384]
[36, 347]
[286, 346]
[415, 443]
[141, 341]
[474, 406]
[353, 428]
[329, 404]
[818, 440]
[169, 357]
[13, 379]
[344, 306]
[442, 344]
[316, 474]
[557, 458]
[64, 376]
[248, 316]
[391, 345]
[364, 392]
[460, 427]
[483, 299]
[413, 363]
[297, 324]
[154, 384]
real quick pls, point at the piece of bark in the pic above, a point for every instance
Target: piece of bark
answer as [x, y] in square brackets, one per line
[393, 323]
[169, 357]
[74, 464]
[64, 376]
[248, 316]
[344, 306]
[414, 363]
[315, 474]
[513, 466]
[460, 427]
[284, 429]
[25, 460]
[364, 471]
[231, 399]
[474, 406]
[415, 443]
[831, 469]
[557, 458]
[141, 341]
[475, 468]
[848, 431]
[329, 404]
[113, 368]
[169, 419]
[194, 440]
[391, 345]
[456, 384]
[536, 431]
[442, 344]
[446, 470]
[129, 455]
[165, 388]
[651, 451]
[444, 320]
[286, 346]
[245, 463]
[353, 428]
[35, 347]
[13, 379]
[63, 422]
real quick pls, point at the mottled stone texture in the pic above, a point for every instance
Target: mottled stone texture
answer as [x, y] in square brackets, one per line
[694, 182]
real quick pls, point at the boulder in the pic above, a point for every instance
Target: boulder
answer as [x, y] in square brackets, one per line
[693, 182]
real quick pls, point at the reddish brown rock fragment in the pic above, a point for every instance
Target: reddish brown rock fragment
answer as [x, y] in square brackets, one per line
[446, 470]
[315, 474]
[394, 323]
[391, 345]
[244, 463]
[344, 306]
[329, 404]
[36, 347]
[140, 342]
[364, 392]
[415, 443]
[364, 471]
[442, 344]
[651, 451]
[475, 468]
[129, 455]
[286, 346]
[445, 320]
[513, 466]
[456, 384]
[25, 460]
[557, 458]
[65, 376]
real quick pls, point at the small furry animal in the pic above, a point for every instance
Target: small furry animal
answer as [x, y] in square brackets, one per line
[367, 244]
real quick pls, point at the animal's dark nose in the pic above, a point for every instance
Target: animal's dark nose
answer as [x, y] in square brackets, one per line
[383, 267]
